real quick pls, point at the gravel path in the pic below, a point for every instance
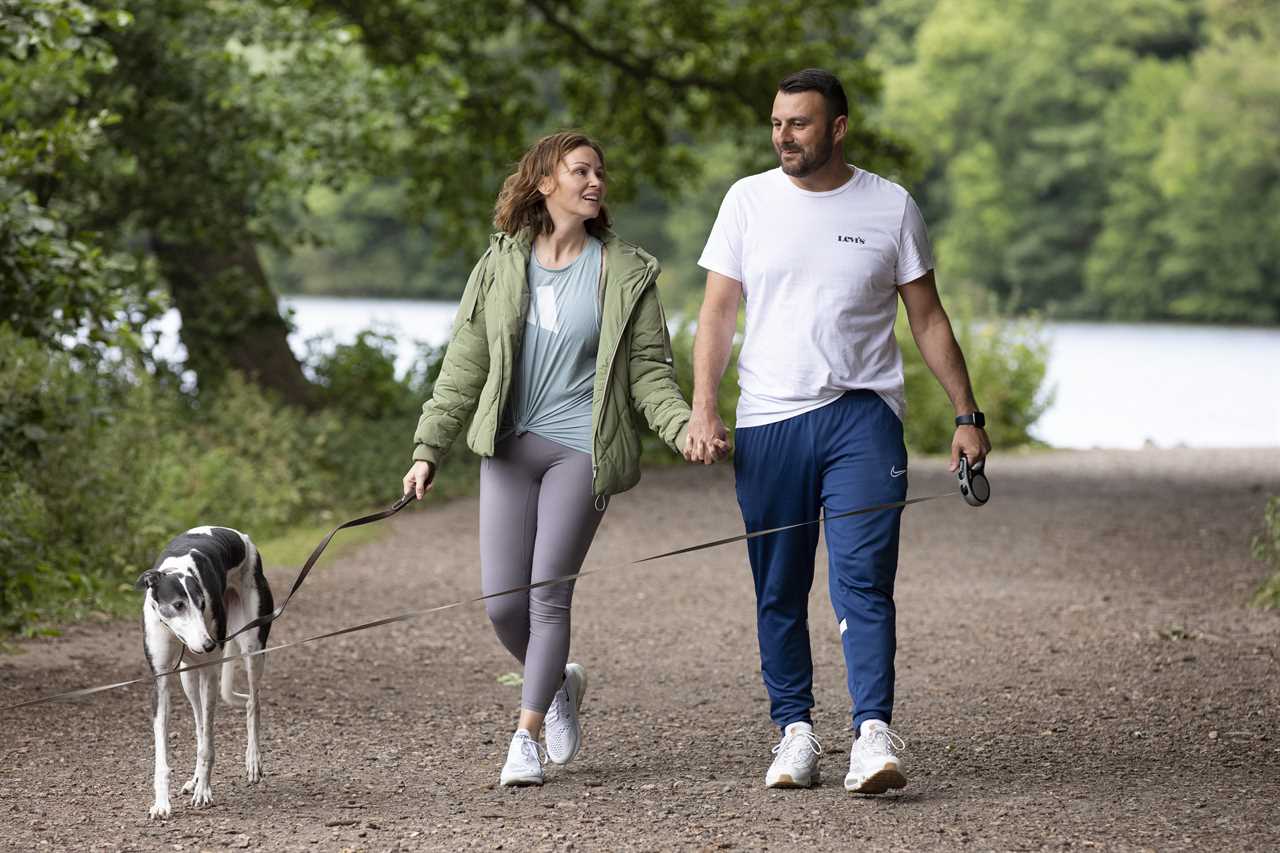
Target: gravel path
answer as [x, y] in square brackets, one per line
[1077, 669]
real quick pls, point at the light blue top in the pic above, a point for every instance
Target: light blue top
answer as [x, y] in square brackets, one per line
[552, 387]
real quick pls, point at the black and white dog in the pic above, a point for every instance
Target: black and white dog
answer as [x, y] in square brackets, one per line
[207, 583]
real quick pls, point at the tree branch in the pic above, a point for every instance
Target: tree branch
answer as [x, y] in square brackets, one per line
[640, 68]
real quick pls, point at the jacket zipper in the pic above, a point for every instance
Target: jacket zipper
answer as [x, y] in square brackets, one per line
[608, 375]
[505, 387]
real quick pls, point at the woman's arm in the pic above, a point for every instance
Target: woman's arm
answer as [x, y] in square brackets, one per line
[462, 374]
[654, 390]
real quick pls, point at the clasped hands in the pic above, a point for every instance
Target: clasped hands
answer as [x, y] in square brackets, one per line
[707, 440]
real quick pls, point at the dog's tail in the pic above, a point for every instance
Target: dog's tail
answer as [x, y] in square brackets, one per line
[229, 695]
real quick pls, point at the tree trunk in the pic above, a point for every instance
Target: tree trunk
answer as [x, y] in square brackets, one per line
[230, 317]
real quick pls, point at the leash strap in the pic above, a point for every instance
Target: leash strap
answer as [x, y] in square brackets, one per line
[417, 614]
[315, 555]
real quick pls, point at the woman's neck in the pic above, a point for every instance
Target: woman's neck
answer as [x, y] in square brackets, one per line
[562, 246]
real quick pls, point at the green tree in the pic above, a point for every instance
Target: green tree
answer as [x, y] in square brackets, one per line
[1006, 102]
[1191, 224]
[1122, 272]
[58, 280]
[227, 114]
[1219, 172]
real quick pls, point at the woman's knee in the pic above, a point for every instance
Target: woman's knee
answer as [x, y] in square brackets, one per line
[508, 612]
[551, 604]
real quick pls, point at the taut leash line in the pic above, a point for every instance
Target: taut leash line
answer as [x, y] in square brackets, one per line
[417, 614]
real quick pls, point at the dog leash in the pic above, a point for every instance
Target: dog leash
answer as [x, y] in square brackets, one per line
[268, 618]
[417, 614]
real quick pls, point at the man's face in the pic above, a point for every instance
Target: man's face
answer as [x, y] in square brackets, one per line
[802, 135]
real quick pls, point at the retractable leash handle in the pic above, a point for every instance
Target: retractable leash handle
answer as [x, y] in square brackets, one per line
[974, 487]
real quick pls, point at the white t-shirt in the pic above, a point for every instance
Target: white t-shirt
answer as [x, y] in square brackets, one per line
[819, 271]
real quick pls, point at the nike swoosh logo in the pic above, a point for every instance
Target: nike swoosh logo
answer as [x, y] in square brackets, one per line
[894, 472]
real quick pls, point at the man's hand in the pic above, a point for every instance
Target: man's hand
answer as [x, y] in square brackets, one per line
[708, 440]
[972, 441]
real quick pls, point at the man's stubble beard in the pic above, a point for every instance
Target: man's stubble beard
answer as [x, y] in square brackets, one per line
[807, 166]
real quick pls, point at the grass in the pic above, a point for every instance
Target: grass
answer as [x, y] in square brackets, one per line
[1268, 595]
[291, 548]
[1266, 547]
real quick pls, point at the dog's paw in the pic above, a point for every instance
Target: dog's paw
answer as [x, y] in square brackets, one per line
[189, 786]
[252, 768]
[203, 796]
[160, 810]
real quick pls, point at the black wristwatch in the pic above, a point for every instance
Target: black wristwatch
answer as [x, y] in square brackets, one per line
[976, 419]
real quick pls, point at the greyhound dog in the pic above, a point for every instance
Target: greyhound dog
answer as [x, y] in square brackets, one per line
[206, 584]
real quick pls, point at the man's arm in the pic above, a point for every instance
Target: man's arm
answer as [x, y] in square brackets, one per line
[717, 321]
[931, 329]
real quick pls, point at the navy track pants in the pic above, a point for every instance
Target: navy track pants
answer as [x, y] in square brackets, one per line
[840, 457]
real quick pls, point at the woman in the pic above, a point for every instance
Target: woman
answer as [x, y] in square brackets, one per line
[558, 336]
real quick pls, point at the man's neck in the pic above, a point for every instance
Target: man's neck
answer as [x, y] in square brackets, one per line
[834, 174]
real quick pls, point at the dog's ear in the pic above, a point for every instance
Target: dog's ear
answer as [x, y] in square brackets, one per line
[146, 580]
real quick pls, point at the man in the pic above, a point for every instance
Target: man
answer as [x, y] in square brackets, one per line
[821, 251]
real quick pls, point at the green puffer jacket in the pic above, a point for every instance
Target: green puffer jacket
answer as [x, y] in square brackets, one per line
[634, 365]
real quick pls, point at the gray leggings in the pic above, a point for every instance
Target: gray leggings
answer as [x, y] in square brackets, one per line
[537, 520]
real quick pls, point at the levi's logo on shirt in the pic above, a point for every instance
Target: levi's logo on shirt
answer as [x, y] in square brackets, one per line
[845, 238]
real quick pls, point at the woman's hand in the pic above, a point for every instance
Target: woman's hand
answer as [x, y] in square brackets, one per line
[713, 451]
[419, 479]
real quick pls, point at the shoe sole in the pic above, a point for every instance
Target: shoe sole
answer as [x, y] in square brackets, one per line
[884, 779]
[520, 782]
[786, 781]
[581, 681]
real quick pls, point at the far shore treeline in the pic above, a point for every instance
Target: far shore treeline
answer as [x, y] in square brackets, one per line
[1108, 159]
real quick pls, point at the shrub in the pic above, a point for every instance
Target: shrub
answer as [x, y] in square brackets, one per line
[1007, 362]
[1266, 547]
[1006, 359]
[102, 462]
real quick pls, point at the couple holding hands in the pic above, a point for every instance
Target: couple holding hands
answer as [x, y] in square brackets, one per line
[560, 336]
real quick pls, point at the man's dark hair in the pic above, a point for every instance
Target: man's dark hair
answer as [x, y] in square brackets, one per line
[817, 80]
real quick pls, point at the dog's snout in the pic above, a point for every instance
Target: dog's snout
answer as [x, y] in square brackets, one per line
[209, 645]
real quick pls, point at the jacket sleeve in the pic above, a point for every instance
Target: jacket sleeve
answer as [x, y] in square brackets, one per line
[462, 374]
[654, 390]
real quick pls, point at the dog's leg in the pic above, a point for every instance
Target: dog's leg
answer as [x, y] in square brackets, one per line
[191, 686]
[160, 727]
[253, 668]
[202, 795]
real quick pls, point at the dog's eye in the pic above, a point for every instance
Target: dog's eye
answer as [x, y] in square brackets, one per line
[179, 605]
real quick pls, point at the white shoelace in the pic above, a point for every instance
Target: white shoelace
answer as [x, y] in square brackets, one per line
[791, 745]
[884, 739]
[532, 750]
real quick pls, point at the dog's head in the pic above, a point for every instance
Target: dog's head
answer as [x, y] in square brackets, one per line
[175, 590]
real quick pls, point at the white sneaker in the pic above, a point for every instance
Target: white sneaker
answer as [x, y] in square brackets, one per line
[524, 761]
[874, 765]
[564, 734]
[795, 759]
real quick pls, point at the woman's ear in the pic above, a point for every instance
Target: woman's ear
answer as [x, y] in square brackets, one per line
[547, 185]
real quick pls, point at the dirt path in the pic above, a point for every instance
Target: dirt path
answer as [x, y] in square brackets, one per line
[1076, 669]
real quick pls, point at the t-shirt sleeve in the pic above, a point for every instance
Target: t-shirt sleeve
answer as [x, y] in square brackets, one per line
[723, 252]
[915, 255]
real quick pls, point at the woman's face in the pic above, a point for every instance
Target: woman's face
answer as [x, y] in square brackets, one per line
[578, 187]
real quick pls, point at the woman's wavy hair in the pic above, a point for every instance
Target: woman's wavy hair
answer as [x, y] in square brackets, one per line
[519, 203]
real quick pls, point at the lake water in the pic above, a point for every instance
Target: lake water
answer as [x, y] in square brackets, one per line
[1116, 384]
